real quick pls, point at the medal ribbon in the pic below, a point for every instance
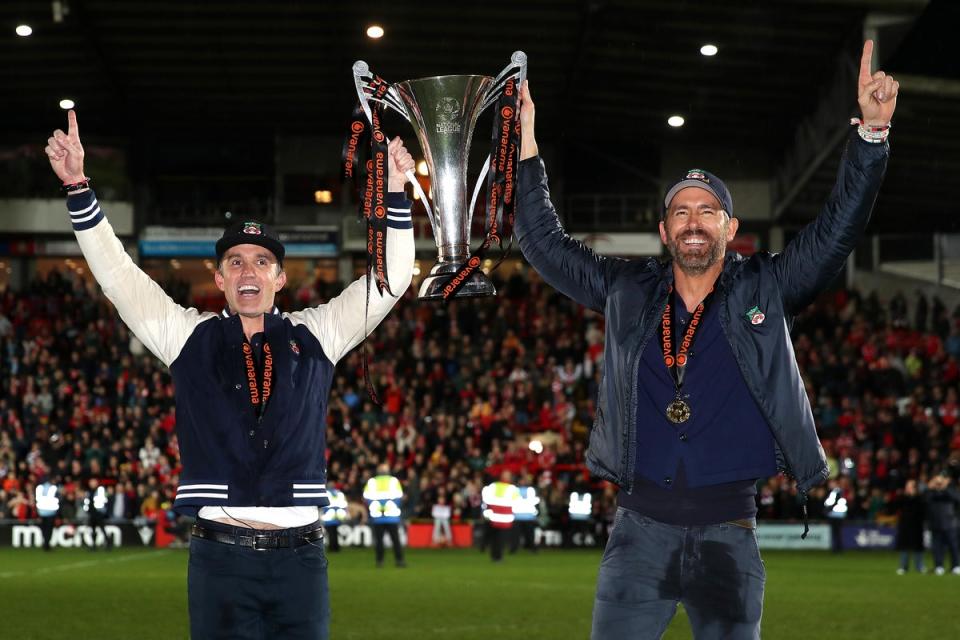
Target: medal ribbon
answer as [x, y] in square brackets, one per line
[677, 364]
[377, 217]
[504, 146]
[259, 389]
[372, 174]
[370, 171]
[353, 147]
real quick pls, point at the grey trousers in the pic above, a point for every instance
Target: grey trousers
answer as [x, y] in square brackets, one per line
[648, 567]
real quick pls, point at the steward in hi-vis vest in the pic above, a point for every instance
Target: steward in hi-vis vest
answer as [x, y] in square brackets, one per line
[384, 496]
[580, 506]
[333, 515]
[579, 514]
[95, 506]
[47, 498]
[499, 500]
[525, 513]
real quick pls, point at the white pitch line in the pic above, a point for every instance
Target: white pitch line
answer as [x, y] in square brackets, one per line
[444, 630]
[82, 565]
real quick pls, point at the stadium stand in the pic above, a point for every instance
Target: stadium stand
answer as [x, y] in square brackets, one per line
[465, 389]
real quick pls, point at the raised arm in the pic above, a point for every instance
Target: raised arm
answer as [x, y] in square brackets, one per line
[162, 325]
[819, 251]
[564, 263]
[339, 325]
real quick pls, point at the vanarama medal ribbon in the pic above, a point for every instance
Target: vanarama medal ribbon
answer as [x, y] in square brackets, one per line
[373, 205]
[678, 411]
[260, 389]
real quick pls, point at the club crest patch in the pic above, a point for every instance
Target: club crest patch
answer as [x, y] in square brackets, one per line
[295, 347]
[252, 228]
[697, 174]
[755, 316]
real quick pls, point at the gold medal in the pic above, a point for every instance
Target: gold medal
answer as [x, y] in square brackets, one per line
[678, 411]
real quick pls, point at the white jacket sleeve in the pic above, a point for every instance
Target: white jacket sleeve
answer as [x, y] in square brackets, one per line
[339, 324]
[161, 324]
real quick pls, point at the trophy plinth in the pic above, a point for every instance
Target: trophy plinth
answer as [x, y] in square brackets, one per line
[478, 284]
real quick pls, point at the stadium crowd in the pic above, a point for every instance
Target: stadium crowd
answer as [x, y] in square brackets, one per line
[464, 389]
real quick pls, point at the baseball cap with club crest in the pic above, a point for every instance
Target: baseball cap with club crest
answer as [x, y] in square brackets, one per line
[250, 233]
[702, 180]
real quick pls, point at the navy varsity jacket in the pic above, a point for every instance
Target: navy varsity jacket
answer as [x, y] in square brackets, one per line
[229, 457]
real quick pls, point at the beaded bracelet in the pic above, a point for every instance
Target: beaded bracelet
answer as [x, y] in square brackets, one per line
[874, 134]
[75, 186]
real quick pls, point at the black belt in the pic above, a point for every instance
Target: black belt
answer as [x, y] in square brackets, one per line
[260, 540]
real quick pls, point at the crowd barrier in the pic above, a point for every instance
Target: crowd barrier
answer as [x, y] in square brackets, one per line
[770, 535]
[855, 535]
[779, 535]
[27, 535]
[869, 535]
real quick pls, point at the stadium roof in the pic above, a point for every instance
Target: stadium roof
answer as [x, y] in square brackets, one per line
[606, 74]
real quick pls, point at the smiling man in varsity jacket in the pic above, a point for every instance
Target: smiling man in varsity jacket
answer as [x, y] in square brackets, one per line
[701, 393]
[252, 386]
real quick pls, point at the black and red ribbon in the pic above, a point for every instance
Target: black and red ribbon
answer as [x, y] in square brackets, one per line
[376, 212]
[259, 394]
[366, 161]
[370, 170]
[353, 145]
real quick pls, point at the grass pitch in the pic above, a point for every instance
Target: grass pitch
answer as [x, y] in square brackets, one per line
[141, 594]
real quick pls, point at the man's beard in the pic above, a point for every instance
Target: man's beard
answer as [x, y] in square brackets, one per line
[696, 264]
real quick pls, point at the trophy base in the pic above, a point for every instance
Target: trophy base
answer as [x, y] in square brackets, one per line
[478, 284]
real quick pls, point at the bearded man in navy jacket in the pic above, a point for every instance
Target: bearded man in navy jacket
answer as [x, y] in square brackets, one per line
[701, 394]
[252, 386]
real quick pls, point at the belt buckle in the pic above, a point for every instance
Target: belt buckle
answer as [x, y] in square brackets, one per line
[258, 538]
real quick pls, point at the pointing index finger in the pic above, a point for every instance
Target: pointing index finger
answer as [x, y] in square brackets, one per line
[72, 129]
[865, 75]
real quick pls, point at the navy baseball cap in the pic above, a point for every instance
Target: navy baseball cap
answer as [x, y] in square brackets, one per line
[250, 233]
[702, 180]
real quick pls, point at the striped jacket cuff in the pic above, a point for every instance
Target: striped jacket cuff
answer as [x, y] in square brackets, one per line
[84, 210]
[398, 211]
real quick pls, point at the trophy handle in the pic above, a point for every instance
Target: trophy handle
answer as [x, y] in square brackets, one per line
[361, 71]
[361, 80]
[479, 185]
[517, 68]
[423, 197]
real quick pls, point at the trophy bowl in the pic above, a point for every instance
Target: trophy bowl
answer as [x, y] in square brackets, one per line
[443, 111]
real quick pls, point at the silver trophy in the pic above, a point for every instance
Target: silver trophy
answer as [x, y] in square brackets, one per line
[443, 111]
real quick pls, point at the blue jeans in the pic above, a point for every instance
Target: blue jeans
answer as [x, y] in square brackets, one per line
[944, 540]
[244, 594]
[648, 567]
[917, 560]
